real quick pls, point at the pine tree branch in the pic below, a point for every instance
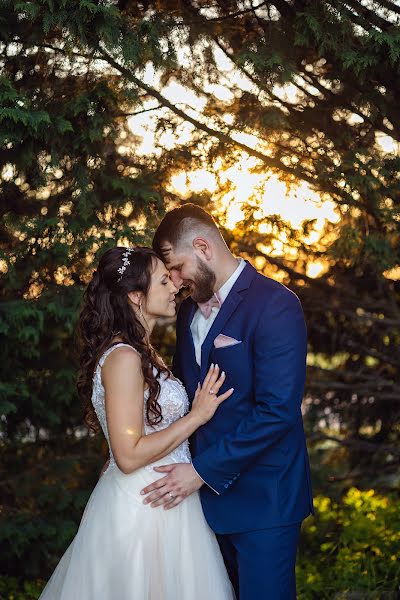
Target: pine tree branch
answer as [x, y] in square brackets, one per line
[339, 101]
[356, 443]
[284, 8]
[336, 99]
[251, 250]
[371, 317]
[341, 196]
[356, 387]
[385, 358]
[250, 76]
[138, 112]
[268, 161]
[368, 15]
[67, 52]
[357, 473]
[354, 18]
[389, 5]
[361, 376]
[239, 13]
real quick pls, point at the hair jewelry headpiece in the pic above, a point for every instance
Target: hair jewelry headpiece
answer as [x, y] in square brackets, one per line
[125, 262]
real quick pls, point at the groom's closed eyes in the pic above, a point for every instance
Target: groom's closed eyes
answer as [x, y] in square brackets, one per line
[176, 267]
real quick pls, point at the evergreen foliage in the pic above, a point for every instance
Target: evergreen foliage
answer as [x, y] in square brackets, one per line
[74, 183]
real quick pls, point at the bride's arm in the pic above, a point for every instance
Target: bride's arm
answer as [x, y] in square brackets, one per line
[124, 390]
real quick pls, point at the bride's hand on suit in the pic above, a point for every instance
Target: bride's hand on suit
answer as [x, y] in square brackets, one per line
[206, 399]
[181, 480]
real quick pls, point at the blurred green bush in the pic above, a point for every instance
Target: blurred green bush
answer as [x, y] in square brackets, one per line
[350, 546]
[12, 588]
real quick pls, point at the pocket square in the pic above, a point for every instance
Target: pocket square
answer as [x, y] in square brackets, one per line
[221, 341]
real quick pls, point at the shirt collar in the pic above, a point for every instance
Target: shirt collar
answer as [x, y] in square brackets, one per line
[228, 285]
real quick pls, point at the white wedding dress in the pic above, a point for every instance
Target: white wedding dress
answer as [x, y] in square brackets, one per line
[125, 550]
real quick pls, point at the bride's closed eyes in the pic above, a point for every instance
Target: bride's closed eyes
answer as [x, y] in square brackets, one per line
[166, 279]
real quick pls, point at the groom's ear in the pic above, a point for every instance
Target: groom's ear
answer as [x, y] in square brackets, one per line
[202, 246]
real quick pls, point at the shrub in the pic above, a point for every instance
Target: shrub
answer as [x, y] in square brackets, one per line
[352, 545]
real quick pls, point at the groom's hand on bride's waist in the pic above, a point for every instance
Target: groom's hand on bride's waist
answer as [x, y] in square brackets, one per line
[180, 481]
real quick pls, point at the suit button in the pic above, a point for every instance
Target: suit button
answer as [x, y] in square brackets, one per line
[226, 485]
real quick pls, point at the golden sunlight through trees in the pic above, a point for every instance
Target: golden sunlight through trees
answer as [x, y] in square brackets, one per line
[267, 194]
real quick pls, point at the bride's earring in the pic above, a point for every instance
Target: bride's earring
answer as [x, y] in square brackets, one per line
[142, 315]
[140, 309]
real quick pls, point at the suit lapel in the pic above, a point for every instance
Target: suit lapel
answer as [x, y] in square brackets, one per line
[228, 307]
[188, 339]
[230, 304]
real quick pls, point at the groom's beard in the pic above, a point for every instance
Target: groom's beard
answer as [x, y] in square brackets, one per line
[202, 285]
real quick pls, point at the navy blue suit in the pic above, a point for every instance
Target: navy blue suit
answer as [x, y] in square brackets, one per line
[253, 452]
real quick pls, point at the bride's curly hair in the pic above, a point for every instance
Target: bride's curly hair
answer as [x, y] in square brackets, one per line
[107, 311]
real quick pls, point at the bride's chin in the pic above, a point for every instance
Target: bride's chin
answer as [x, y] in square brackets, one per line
[170, 312]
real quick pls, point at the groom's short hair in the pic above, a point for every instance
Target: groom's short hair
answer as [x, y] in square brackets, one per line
[179, 224]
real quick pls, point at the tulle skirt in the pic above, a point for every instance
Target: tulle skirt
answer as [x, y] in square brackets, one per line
[125, 550]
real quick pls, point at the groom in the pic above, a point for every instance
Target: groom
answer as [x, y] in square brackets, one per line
[250, 461]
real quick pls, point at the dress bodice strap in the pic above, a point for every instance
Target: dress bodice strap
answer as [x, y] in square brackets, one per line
[111, 348]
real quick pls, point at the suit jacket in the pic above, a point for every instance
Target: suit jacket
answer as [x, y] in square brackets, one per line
[253, 451]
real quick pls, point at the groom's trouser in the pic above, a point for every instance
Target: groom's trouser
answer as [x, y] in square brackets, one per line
[261, 564]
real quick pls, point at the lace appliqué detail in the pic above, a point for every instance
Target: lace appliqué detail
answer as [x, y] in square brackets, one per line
[174, 405]
[173, 401]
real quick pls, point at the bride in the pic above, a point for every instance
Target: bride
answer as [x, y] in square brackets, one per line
[125, 550]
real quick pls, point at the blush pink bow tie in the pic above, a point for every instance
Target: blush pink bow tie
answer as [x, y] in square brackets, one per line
[206, 307]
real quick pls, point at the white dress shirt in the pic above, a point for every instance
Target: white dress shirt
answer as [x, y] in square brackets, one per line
[200, 326]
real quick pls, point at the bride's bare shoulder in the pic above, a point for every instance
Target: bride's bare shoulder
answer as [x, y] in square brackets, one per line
[120, 359]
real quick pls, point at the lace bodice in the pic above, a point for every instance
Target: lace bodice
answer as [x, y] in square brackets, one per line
[173, 401]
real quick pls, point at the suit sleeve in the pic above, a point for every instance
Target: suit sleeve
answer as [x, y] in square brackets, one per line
[280, 348]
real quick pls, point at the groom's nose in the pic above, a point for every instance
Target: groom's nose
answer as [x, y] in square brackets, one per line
[176, 279]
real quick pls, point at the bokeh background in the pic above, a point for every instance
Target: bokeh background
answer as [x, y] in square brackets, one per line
[281, 118]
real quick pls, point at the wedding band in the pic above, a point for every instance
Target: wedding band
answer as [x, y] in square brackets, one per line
[211, 392]
[171, 495]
